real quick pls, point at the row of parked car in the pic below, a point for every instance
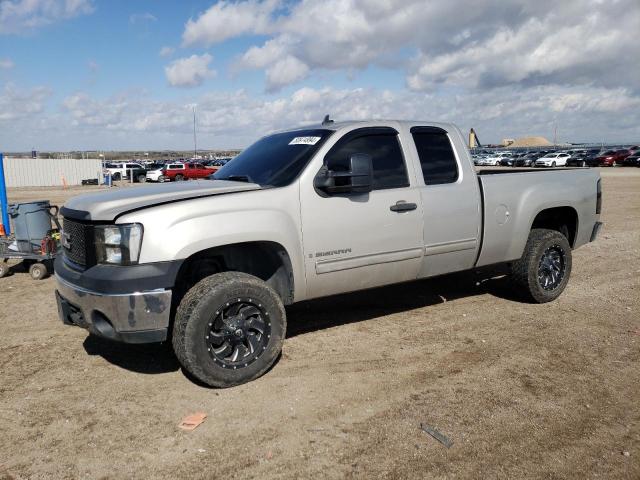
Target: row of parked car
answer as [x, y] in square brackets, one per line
[162, 171]
[577, 157]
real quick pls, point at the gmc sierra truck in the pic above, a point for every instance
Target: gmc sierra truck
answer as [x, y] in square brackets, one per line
[306, 213]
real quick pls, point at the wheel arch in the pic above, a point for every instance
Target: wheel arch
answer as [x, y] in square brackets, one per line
[266, 260]
[563, 219]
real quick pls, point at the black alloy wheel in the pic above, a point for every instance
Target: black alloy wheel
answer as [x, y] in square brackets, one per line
[229, 329]
[543, 271]
[552, 267]
[238, 333]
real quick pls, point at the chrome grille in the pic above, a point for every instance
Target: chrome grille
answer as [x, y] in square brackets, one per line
[75, 239]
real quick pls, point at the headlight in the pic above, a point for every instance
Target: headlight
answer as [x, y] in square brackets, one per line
[118, 244]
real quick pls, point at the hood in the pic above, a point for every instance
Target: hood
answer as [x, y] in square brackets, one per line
[106, 206]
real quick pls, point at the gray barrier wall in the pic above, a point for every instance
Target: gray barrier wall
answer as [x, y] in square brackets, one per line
[45, 172]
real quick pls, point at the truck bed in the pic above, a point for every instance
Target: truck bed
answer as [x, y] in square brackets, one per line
[512, 198]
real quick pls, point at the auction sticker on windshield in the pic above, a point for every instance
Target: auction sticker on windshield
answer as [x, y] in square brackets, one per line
[304, 141]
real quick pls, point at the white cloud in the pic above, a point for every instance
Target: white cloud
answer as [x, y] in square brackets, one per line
[6, 64]
[225, 20]
[17, 16]
[284, 72]
[236, 118]
[166, 51]
[16, 103]
[142, 17]
[486, 45]
[190, 71]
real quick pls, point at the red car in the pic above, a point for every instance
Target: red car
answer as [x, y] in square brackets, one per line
[612, 157]
[184, 171]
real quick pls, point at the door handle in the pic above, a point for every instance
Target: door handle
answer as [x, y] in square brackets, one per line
[402, 206]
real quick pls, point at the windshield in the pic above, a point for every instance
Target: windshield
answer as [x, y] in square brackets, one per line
[275, 160]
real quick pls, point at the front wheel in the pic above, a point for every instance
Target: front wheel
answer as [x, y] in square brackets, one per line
[542, 273]
[229, 329]
[553, 164]
[162, 179]
[142, 178]
[179, 178]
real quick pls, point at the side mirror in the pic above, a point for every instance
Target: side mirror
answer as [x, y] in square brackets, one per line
[355, 177]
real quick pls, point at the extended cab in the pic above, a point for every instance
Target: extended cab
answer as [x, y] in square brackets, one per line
[303, 214]
[184, 171]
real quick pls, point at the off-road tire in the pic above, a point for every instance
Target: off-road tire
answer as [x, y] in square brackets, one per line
[524, 272]
[38, 271]
[196, 312]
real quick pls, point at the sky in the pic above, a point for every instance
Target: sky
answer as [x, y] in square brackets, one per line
[116, 74]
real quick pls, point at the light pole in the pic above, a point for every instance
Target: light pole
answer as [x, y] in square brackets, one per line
[195, 143]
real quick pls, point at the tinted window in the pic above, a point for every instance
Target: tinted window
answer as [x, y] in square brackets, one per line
[436, 157]
[389, 170]
[275, 160]
[176, 167]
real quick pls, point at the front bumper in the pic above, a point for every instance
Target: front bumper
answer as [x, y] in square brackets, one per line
[137, 317]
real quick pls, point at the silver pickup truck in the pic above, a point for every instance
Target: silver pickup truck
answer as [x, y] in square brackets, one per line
[307, 213]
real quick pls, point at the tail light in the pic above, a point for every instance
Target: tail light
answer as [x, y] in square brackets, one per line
[599, 197]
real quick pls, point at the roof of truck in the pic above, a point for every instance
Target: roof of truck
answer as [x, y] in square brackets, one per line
[334, 125]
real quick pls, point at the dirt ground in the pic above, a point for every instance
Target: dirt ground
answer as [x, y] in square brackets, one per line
[524, 391]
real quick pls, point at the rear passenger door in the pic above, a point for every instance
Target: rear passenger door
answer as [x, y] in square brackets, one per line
[361, 240]
[451, 201]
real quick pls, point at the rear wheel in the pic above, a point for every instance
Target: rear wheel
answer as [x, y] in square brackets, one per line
[142, 178]
[179, 178]
[4, 269]
[162, 179]
[38, 271]
[542, 273]
[229, 329]
[117, 176]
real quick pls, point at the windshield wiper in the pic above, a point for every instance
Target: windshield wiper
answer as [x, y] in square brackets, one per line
[238, 178]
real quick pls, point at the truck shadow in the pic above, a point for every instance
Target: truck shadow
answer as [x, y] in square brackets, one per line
[314, 315]
[337, 310]
[149, 358]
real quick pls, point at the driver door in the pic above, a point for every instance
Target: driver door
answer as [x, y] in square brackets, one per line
[354, 241]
